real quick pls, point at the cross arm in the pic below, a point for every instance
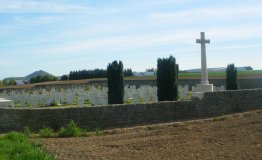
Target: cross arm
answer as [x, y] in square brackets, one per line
[202, 41]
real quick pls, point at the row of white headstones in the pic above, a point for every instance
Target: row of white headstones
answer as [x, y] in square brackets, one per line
[94, 95]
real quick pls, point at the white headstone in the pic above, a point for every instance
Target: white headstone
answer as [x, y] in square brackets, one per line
[135, 98]
[81, 102]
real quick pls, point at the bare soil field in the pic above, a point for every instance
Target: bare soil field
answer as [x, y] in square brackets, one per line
[237, 136]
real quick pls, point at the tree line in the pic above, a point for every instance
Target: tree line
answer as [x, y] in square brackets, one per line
[96, 73]
[87, 74]
[77, 75]
[5, 82]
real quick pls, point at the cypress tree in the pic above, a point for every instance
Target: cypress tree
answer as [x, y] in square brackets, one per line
[231, 77]
[115, 83]
[167, 79]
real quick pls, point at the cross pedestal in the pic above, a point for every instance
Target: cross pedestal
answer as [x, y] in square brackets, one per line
[204, 86]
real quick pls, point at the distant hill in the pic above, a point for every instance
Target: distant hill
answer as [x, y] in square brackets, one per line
[28, 77]
[37, 73]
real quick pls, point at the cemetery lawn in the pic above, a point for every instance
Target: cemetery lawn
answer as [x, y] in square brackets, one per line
[237, 136]
[252, 74]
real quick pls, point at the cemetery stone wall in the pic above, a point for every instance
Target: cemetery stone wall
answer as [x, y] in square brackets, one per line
[106, 117]
[250, 83]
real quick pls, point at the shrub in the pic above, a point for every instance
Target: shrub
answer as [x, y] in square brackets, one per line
[72, 130]
[62, 132]
[16, 137]
[27, 131]
[53, 103]
[167, 79]
[87, 101]
[98, 132]
[115, 83]
[46, 132]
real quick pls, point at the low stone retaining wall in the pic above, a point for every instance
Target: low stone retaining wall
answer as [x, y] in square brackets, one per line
[113, 116]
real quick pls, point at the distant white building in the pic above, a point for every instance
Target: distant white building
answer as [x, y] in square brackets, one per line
[144, 73]
[19, 82]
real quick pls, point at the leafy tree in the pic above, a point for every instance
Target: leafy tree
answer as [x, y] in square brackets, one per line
[12, 82]
[115, 83]
[151, 70]
[64, 78]
[231, 77]
[128, 72]
[9, 82]
[249, 68]
[33, 80]
[1, 84]
[5, 82]
[167, 79]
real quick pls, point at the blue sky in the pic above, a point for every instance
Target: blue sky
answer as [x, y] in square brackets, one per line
[63, 35]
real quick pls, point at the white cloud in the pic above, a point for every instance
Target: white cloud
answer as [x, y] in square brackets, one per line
[162, 38]
[236, 32]
[210, 13]
[121, 42]
[38, 6]
[157, 3]
[236, 47]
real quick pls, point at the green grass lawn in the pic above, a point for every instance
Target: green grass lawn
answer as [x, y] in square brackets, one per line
[250, 72]
[16, 146]
[210, 74]
[221, 74]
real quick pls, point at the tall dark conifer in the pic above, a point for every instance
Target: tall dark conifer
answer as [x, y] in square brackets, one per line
[231, 77]
[115, 83]
[167, 79]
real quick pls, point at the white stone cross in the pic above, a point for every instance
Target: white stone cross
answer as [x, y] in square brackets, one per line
[204, 73]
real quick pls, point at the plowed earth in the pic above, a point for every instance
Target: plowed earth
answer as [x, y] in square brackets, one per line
[237, 136]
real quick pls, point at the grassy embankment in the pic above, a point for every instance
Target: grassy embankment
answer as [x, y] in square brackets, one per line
[23, 146]
[17, 146]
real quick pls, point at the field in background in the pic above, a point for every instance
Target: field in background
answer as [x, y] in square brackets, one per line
[241, 74]
[252, 74]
